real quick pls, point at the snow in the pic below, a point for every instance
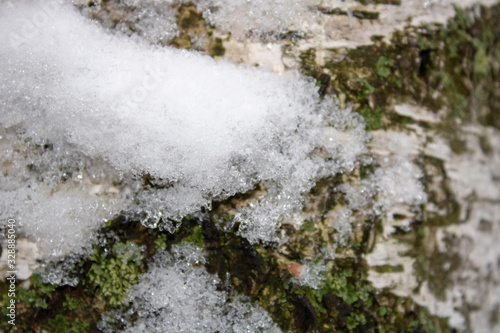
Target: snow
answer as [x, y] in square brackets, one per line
[155, 20]
[202, 129]
[87, 115]
[178, 295]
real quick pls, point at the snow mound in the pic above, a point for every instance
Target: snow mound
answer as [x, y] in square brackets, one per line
[178, 295]
[197, 129]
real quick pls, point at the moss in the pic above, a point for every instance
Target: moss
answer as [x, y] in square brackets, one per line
[70, 304]
[308, 226]
[60, 324]
[189, 18]
[440, 271]
[458, 146]
[114, 275]
[182, 42]
[27, 298]
[345, 301]
[365, 14]
[104, 278]
[442, 68]
[384, 66]
[79, 326]
[308, 63]
[438, 189]
[388, 269]
[432, 266]
[216, 47]
[383, 2]
[36, 297]
[354, 320]
[485, 145]
[373, 118]
[481, 62]
[196, 238]
[161, 243]
[41, 306]
[452, 217]
[366, 170]
[192, 26]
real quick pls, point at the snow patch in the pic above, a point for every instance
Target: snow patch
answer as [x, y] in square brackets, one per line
[178, 295]
[197, 129]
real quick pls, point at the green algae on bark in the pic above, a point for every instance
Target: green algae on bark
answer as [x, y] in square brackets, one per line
[454, 67]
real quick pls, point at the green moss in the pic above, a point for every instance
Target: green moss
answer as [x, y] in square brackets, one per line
[308, 226]
[359, 13]
[60, 324]
[79, 326]
[373, 118]
[385, 2]
[458, 146]
[45, 288]
[114, 275]
[196, 238]
[384, 66]
[28, 298]
[388, 269]
[36, 297]
[216, 48]
[308, 63]
[481, 62]
[442, 68]
[70, 303]
[354, 320]
[431, 265]
[366, 170]
[189, 18]
[161, 243]
[452, 217]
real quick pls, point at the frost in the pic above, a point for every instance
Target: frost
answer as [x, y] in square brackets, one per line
[177, 295]
[155, 20]
[396, 181]
[340, 220]
[260, 17]
[152, 20]
[54, 193]
[312, 274]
